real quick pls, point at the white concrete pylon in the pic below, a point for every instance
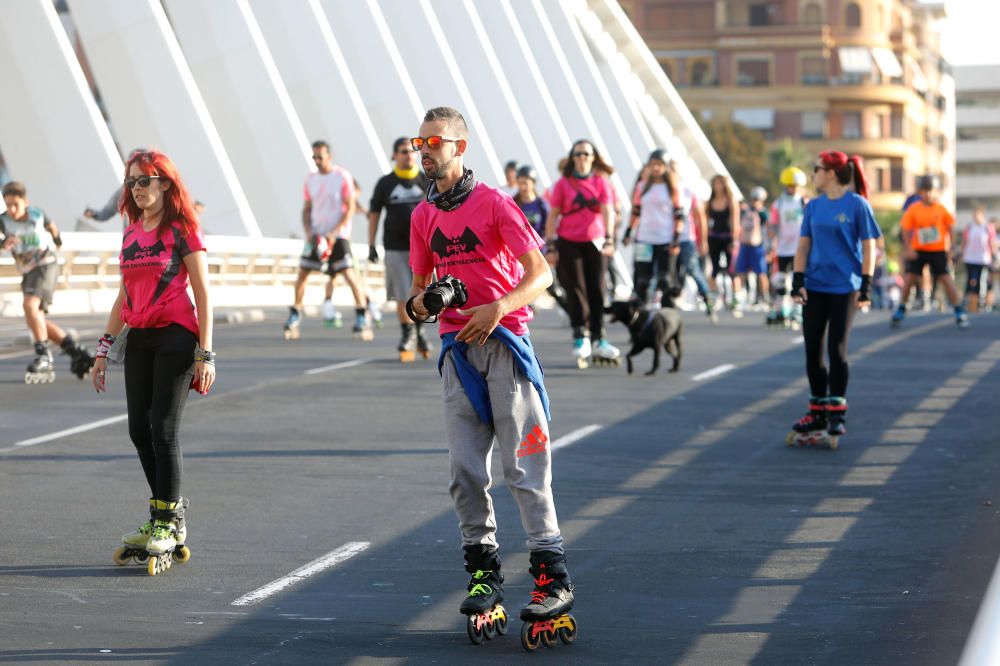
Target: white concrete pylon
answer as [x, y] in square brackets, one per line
[513, 52]
[53, 137]
[154, 102]
[498, 106]
[323, 90]
[621, 150]
[251, 108]
[438, 72]
[631, 45]
[379, 69]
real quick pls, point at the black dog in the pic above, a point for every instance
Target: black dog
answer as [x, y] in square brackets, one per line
[650, 328]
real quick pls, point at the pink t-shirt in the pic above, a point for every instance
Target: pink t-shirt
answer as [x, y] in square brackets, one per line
[155, 278]
[579, 202]
[329, 194]
[479, 243]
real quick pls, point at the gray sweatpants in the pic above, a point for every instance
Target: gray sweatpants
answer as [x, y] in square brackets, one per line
[522, 435]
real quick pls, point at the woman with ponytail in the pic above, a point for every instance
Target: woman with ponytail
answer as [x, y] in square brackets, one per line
[169, 348]
[833, 273]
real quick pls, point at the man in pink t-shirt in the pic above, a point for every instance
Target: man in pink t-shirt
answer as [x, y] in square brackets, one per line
[328, 206]
[477, 234]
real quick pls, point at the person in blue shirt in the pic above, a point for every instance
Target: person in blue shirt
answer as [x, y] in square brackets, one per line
[536, 210]
[833, 275]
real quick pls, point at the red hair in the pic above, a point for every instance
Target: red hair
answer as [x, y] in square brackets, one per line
[848, 169]
[177, 204]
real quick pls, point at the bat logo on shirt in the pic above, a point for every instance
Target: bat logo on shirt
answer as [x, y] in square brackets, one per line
[446, 246]
[136, 252]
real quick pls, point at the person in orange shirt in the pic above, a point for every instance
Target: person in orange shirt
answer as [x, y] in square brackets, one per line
[926, 234]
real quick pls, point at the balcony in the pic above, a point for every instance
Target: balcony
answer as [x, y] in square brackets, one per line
[978, 151]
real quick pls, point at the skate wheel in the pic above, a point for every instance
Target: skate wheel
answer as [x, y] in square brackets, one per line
[529, 640]
[407, 357]
[501, 625]
[182, 554]
[425, 354]
[475, 632]
[490, 630]
[582, 363]
[568, 634]
[790, 439]
[548, 638]
[154, 566]
[120, 558]
[834, 443]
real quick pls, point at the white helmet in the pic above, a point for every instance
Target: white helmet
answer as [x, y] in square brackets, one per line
[758, 194]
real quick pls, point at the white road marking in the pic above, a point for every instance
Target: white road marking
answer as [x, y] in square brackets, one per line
[714, 372]
[338, 366]
[575, 436]
[799, 340]
[26, 352]
[65, 433]
[334, 557]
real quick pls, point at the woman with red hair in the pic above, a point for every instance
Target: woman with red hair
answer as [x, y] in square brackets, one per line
[169, 347]
[833, 273]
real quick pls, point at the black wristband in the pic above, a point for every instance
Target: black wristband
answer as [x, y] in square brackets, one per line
[413, 315]
[866, 286]
[798, 282]
[628, 233]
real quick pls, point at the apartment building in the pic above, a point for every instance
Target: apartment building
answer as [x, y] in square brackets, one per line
[862, 76]
[977, 95]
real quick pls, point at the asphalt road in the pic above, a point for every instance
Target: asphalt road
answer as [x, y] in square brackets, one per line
[694, 534]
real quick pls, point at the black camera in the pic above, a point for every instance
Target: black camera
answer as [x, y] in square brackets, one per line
[448, 292]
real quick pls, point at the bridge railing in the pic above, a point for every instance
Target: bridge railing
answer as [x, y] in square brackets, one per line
[242, 271]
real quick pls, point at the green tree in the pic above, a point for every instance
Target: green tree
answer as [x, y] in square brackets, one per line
[742, 150]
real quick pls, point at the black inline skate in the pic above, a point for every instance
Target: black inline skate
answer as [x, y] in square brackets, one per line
[424, 347]
[41, 370]
[80, 360]
[486, 617]
[811, 429]
[836, 416]
[407, 344]
[547, 616]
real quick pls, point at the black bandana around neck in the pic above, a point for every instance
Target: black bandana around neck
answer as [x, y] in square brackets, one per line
[456, 194]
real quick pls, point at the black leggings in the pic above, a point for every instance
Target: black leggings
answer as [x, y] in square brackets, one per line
[581, 269]
[663, 265]
[717, 247]
[159, 367]
[827, 316]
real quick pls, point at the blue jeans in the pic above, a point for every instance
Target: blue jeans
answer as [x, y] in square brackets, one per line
[689, 263]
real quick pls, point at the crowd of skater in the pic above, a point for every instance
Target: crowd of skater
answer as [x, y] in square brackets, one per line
[473, 258]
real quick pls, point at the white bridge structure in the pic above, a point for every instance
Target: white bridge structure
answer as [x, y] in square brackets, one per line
[235, 90]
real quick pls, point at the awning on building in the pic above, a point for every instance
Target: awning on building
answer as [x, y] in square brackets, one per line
[758, 119]
[918, 79]
[887, 62]
[855, 59]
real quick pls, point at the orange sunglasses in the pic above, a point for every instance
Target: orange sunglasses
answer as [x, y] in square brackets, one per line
[433, 142]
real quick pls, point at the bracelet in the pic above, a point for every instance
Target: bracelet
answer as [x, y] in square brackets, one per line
[205, 356]
[104, 345]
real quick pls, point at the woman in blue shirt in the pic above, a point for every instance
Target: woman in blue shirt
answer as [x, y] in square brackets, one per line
[833, 273]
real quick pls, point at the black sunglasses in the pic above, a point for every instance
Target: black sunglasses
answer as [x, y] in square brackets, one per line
[141, 181]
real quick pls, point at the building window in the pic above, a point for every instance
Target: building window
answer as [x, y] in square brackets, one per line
[813, 124]
[852, 15]
[896, 126]
[701, 73]
[668, 69]
[753, 72]
[814, 71]
[812, 14]
[852, 125]
[761, 14]
[896, 176]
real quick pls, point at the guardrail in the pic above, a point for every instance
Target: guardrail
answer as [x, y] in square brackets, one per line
[88, 281]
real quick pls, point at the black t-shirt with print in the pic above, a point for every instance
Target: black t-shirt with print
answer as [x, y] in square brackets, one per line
[399, 196]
